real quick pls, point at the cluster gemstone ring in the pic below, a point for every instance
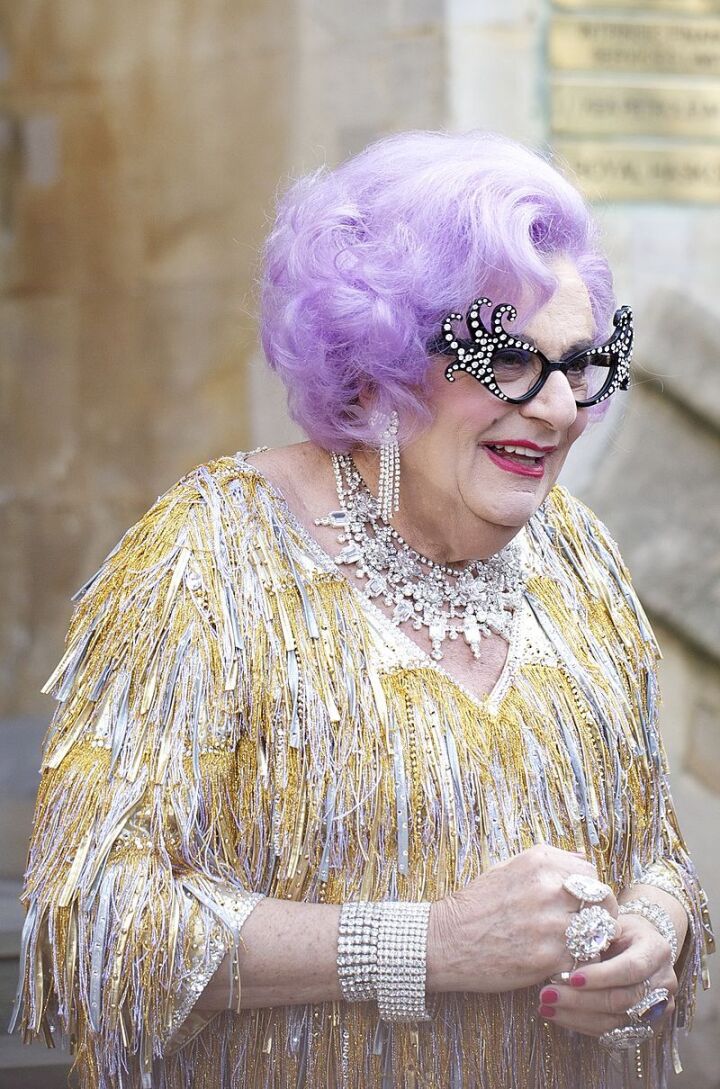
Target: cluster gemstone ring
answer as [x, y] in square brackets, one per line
[591, 928]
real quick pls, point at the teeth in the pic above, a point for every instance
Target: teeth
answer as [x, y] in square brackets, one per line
[522, 450]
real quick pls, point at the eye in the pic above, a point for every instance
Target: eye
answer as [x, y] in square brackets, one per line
[577, 367]
[510, 361]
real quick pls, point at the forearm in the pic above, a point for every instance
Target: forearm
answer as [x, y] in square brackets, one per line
[289, 956]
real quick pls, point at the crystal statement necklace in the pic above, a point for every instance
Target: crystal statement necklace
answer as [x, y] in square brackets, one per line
[472, 601]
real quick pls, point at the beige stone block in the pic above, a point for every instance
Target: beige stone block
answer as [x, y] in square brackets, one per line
[703, 751]
[195, 342]
[43, 556]
[677, 676]
[658, 493]
[37, 356]
[358, 78]
[71, 45]
[417, 79]
[212, 153]
[15, 633]
[72, 221]
[479, 94]
[690, 370]
[269, 423]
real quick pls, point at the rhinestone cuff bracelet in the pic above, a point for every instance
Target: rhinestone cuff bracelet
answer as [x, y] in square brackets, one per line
[656, 876]
[382, 956]
[656, 915]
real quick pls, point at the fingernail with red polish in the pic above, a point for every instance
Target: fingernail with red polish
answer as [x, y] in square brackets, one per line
[547, 1011]
[549, 995]
[578, 980]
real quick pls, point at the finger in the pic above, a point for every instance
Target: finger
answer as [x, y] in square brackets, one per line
[588, 1024]
[614, 1002]
[610, 904]
[594, 1020]
[642, 959]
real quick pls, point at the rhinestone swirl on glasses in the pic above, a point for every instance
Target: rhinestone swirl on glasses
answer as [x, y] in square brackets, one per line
[475, 355]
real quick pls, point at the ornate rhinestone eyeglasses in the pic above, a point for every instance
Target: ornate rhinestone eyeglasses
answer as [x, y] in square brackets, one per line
[514, 370]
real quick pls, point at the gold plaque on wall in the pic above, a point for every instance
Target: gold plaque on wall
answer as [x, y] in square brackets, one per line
[581, 107]
[628, 172]
[690, 47]
[682, 7]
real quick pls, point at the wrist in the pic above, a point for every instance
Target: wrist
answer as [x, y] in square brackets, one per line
[658, 916]
[382, 957]
[444, 941]
[671, 905]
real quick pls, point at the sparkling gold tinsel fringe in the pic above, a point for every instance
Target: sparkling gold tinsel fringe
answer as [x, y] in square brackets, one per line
[227, 723]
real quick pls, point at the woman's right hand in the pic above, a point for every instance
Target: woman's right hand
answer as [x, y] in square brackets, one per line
[506, 929]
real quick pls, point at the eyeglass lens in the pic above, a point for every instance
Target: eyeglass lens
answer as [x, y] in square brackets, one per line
[517, 371]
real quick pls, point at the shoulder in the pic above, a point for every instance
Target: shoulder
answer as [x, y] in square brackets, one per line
[159, 624]
[584, 546]
[581, 537]
[178, 519]
[206, 531]
[570, 516]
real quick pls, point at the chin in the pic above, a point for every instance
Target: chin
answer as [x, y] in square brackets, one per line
[513, 511]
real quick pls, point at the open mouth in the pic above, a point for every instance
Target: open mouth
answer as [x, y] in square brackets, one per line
[523, 460]
[521, 454]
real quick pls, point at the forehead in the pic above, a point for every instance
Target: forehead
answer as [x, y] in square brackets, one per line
[566, 319]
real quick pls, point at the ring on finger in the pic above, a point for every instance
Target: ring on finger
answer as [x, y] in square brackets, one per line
[588, 890]
[651, 1006]
[625, 1038]
[590, 932]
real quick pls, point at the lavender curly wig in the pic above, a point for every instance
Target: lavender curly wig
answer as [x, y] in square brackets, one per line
[365, 261]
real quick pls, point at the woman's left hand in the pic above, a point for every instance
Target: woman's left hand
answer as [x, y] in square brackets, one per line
[637, 955]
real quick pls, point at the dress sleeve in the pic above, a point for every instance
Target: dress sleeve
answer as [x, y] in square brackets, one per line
[664, 857]
[133, 890]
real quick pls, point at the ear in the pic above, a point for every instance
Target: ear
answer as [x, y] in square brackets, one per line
[366, 398]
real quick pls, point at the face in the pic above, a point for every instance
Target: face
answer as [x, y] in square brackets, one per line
[462, 461]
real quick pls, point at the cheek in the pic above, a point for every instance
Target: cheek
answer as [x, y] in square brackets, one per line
[581, 421]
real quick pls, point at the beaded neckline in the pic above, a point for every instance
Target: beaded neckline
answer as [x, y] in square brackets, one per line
[416, 655]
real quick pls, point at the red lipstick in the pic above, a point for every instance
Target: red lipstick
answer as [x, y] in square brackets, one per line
[533, 466]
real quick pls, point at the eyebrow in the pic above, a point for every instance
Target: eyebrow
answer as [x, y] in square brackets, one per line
[574, 349]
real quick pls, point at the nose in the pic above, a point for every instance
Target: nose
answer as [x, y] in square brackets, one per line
[554, 404]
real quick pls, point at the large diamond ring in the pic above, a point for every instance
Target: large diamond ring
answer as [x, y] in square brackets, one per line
[651, 1006]
[623, 1039]
[587, 889]
[590, 932]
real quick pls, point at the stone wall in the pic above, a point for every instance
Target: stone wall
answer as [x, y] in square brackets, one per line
[140, 152]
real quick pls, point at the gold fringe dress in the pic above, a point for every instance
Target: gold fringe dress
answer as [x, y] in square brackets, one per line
[235, 717]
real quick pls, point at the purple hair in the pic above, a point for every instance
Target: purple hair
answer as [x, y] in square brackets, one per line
[365, 261]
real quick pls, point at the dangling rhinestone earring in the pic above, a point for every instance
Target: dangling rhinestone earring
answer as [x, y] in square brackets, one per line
[389, 479]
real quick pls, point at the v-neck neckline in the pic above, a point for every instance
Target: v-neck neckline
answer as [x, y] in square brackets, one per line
[391, 632]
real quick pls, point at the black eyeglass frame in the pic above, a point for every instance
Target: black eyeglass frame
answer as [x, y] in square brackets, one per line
[475, 356]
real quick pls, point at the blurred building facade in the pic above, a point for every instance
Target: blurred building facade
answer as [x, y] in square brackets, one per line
[141, 148]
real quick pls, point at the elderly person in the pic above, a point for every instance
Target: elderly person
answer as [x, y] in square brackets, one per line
[355, 780]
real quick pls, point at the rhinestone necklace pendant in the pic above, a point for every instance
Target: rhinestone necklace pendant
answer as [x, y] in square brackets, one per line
[473, 601]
